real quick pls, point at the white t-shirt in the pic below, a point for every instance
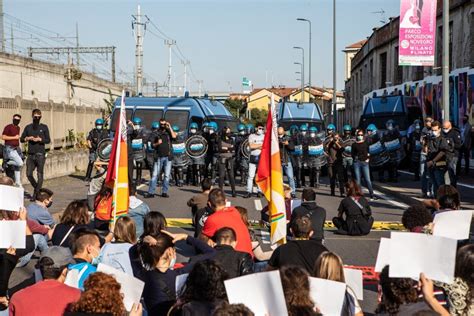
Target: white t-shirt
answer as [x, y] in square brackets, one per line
[116, 256]
[256, 139]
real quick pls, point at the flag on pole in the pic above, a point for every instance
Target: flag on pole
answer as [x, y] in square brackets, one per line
[117, 172]
[270, 177]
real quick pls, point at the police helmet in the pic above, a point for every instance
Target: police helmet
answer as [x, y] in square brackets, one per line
[155, 125]
[313, 129]
[372, 128]
[347, 128]
[331, 127]
[193, 125]
[212, 125]
[304, 128]
[250, 128]
[175, 128]
[240, 127]
[137, 121]
[99, 122]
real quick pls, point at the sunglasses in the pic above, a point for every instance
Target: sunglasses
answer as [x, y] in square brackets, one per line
[260, 129]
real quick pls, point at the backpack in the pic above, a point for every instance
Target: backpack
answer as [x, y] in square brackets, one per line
[360, 225]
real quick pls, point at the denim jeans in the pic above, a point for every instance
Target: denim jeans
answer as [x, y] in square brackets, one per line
[138, 215]
[437, 177]
[451, 172]
[14, 159]
[426, 183]
[160, 163]
[41, 244]
[288, 170]
[362, 168]
[251, 176]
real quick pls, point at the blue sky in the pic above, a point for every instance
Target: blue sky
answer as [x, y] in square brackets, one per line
[224, 40]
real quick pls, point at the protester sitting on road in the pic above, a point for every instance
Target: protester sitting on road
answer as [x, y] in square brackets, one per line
[158, 256]
[400, 296]
[315, 213]
[295, 283]
[329, 266]
[137, 210]
[9, 257]
[101, 296]
[203, 291]
[301, 251]
[75, 217]
[41, 235]
[224, 216]
[235, 263]
[460, 292]
[96, 183]
[226, 309]
[417, 219]
[288, 197]
[116, 253]
[447, 199]
[49, 296]
[103, 208]
[86, 250]
[153, 224]
[199, 201]
[358, 219]
[38, 210]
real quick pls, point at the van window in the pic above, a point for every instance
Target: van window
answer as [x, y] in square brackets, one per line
[113, 121]
[179, 118]
[301, 111]
[148, 116]
[384, 105]
[198, 120]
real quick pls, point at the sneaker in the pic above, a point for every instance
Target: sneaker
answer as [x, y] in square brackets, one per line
[165, 195]
[148, 195]
[373, 198]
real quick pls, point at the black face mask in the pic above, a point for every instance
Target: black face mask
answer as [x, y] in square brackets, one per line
[49, 204]
[36, 120]
[464, 121]
[163, 126]
[16, 122]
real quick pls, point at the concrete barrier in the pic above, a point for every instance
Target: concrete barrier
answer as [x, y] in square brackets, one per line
[61, 163]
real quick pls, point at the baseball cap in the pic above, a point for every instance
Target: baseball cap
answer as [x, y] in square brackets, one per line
[61, 256]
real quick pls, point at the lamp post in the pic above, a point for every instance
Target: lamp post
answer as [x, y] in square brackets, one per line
[334, 95]
[309, 72]
[302, 71]
[302, 79]
[445, 73]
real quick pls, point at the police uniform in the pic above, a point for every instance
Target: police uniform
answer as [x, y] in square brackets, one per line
[296, 155]
[347, 161]
[139, 138]
[313, 153]
[225, 152]
[196, 168]
[391, 140]
[180, 159]
[415, 147]
[212, 147]
[95, 136]
[241, 162]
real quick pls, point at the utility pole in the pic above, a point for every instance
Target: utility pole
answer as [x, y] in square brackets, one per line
[334, 94]
[138, 24]
[445, 74]
[200, 87]
[306, 20]
[185, 63]
[302, 72]
[302, 79]
[11, 39]
[169, 43]
[2, 29]
[77, 45]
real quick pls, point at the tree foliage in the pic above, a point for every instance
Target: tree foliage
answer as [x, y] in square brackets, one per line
[234, 106]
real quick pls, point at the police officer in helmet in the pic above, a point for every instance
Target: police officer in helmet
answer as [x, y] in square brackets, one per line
[302, 139]
[196, 170]
[347, 160]
[96, 135]
[211, 158]
[149, 151]
[138, 138]
[241, 162]
[180, 159]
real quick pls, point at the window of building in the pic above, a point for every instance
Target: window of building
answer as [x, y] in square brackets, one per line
[383, 70]
[418, 73]
[371, 70]
[450, 46]
[398, 70]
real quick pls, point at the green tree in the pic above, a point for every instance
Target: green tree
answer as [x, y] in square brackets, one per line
[258, 117]
[234, 106]
[107, 111]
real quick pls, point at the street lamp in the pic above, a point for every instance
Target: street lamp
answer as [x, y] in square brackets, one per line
[302, 71]
[309, 22]
[334, 95]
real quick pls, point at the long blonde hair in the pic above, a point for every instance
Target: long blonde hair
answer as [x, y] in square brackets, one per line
[329, 266]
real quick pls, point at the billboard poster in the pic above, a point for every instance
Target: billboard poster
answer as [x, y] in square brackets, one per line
[417, 34]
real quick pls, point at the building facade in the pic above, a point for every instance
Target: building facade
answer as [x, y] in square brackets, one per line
[374, 68]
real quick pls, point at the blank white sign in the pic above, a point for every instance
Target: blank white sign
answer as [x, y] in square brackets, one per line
[12, 234]
[11, 198]
[453, 224]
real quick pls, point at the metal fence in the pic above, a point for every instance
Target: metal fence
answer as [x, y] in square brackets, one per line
[67, 123]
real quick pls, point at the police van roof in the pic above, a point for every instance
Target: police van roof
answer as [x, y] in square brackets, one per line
[208, 106]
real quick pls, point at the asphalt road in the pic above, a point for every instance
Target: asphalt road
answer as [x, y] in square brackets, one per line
[357, 251]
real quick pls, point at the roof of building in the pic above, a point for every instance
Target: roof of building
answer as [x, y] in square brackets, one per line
[318, 92]
[356, 45]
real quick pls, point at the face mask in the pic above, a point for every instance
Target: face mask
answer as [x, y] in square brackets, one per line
[259, 132]
[390, 127]
[435, 134]
[211, 131]
[347, 132]
[359, 137]
[49, 204]
[162, 126]
[36, 120]
[242, 132]
[312, 135]
[330, 132]
[303, 133]
[172, 263]
[97, 259]
[99, 127]
[136, 126]
[193, 131]
[445, 130]
[417, 127]
[16, 122]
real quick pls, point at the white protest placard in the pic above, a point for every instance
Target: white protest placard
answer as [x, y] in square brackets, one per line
[414, 253]
[180, 282]
[327, 295]
[258, 204]
[11, 198]
[383, 255]
[354, 281]
[295, 203]
[453, 224]
[261, 292]
[131, 287]
[12, 234]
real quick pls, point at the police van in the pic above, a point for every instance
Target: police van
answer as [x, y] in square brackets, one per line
[180, 111]
[294, 113]
[404, 110]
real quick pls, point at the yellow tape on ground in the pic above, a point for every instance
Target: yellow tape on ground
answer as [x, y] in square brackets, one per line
[378, 225]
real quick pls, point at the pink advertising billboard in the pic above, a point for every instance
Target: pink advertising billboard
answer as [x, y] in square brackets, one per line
[417, 36]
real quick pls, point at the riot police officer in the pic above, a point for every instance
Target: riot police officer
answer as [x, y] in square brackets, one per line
[296, 155]
[286, 146]
[149, 151]
[241, 162]
[330, 130]
[335, 150]
[96, 135]
[391, 140]
[196, 170]
[377, 153]
[414, 147]
[138, 138]
[210, 161]
[303, 135]
[180, 159]
[347, 161]
[314, 156]
[225, 153]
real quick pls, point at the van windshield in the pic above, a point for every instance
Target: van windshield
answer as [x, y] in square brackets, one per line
[148, 116]
[113, 120]
[293, 110]
[384, 105]
[179, 118]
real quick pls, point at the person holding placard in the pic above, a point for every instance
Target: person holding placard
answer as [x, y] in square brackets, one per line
[226, 309]
[329, 266]
[301, 251]
[295, 283]
[49, 296]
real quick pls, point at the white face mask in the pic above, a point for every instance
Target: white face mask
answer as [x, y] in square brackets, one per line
[445, 130]
[99, 127]
[303, 133]
[242, 132]
[312, 134]
[172, 263]
[259, 132]
[211, 131]
[192, 131]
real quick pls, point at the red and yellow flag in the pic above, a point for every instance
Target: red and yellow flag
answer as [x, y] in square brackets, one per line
[117, 172]
[270, 177]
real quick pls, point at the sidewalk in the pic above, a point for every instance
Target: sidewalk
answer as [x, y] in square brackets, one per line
[409, 191]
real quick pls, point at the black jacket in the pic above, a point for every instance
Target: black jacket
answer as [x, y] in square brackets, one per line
[235, 263]
[455, 135]
[285, 149]
[316, 214]
[36, 130]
